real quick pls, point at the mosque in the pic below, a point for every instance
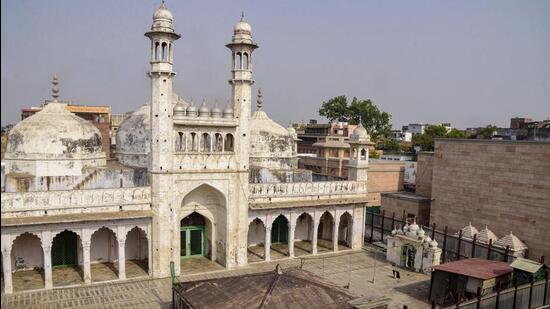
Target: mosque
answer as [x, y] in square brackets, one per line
[220, 184]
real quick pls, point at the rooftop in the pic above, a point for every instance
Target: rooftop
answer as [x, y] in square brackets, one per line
[291, 288]
[476, 268]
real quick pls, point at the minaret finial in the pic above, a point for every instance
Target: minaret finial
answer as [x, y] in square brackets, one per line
[260, 100]
[55, 88]
[242, 15]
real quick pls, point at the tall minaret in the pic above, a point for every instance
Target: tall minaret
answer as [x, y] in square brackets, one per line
[241, 82]
[162, 38]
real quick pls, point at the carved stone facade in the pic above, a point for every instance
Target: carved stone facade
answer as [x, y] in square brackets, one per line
[181, 187]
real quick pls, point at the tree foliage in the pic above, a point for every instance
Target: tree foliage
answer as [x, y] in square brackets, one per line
[426, 140]
[487, 132]
[375, 121]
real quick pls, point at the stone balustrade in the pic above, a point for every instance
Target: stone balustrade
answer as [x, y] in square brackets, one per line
[304, 189]
[63, 201]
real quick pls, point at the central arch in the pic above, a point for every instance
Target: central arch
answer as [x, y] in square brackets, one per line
[201, 219]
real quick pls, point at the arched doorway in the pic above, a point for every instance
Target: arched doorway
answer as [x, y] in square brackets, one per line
[193, 240]
[27, 258]
[136, 250]
[303, 235]
[256, 241]
[103, 254]
[66, 259]
[408, 256]
[279, 237]
[325, 232]
[279, 230]
[345, 230]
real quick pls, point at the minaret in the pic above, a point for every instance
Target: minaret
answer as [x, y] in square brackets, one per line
[241, 83]
[162, 38]
[359, 154]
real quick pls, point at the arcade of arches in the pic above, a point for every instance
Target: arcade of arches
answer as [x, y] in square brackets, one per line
[297, 235]
[75, 255]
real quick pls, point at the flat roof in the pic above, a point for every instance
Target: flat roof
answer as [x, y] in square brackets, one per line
[526, 265]
[406, 196]
[476, 268]
[487, 141]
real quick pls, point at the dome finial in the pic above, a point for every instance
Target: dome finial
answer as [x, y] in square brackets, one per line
[260, 100]
[242, 15]
[55, 87]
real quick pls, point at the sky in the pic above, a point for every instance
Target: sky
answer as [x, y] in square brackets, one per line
[470, 63]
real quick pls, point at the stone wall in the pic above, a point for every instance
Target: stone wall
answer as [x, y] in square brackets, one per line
[424, 171]
[384, 176]
[413, 205]
[501, 184]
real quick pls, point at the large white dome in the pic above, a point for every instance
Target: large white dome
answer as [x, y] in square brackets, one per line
[133, 138]
[54, 133]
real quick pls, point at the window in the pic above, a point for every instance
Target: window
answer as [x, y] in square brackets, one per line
[194, 144]
[206, 143]
[363, 154]
[228, 142]
[218, 142]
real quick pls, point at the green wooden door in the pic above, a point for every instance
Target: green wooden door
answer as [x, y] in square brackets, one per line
[279, 231]
[65, 250]
[192, 241]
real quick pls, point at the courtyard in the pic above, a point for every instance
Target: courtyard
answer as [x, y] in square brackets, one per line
[353, 269]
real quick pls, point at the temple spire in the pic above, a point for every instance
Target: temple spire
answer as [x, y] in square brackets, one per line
[55, 88]
[260, 100]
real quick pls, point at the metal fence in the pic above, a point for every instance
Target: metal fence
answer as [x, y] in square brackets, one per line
[527, 296]
[454, 247]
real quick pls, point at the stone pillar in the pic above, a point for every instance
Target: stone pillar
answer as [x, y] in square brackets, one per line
[314, 238]
[291, 240]
[267, 244]
[48, 281]
[121, 259]
[6, 263]
[149, 252]
[86, 262]
[335, 235]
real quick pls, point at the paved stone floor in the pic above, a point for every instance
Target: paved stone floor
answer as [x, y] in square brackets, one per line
[354, 268]
[67, 276]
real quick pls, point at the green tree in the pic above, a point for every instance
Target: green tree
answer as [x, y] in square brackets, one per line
[487, 132]
[426, 140]
[392, 146]
[376, 122]
[455, 133]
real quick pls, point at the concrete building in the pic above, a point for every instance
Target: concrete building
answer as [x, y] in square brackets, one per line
[416, 128]
[181, 188]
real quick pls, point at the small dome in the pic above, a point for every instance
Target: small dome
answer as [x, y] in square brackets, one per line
[163, 13]
[179, 110]
[413, 228]
[360, 133]
[469, 231]
[192, 111]
[421, 233]
[204, 111]
[242, 26]
[485, 235]
[216, 112]
[433, 244]
[511, 240]
[228, 112]
[428, 239]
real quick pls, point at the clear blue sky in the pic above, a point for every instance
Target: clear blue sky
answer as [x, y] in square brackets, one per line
[470, 63]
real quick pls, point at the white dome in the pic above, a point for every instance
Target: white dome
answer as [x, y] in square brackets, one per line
[242, 26]
[163, 13]
[360, 133]
[54, 133]
[133, 138]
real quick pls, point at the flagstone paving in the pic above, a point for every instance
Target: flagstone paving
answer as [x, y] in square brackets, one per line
[364, 272]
